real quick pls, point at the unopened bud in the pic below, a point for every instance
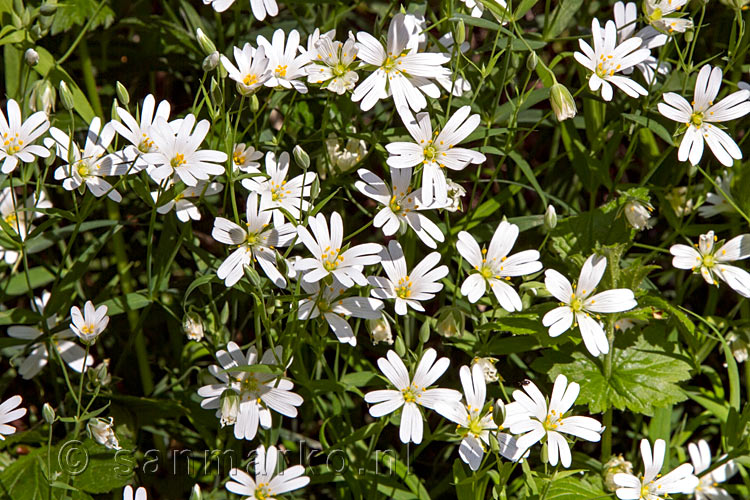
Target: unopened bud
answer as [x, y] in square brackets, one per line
[66, 96]
[196, 493]
[206, 44]
[460, 33]
[254, 103]
[48, 413]
[498, 412]
[399, 347]
[217, 97]
[689, 36]
[615, 465]
[113, 111]
[531, 61]
[193, 326]
[450, 322]
[122, 93]
[211, 61]
[550, 218]
[230, 407]
[380, 330]
[562, 102]
[301, 157]
[31, 57]
[488, 368]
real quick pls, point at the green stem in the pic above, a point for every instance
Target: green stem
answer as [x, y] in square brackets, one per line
[88, 78]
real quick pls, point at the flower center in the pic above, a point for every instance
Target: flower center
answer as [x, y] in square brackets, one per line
[403, 288]
[13, 144]
[83, 169]
[251, 239]
[87, 329]
[486, 272]
[249, 386]
[262, 492]
[340, 70]
[146, 144]
[411, 393]
[696, 119]
[550, 423]
[655, 15]
[606, 66]
[178, 160]
[252, 79]
[709, 261]
[277, 191]
[331, 258]
[281, 71]
[576, 304]
[391, 63]
[394, 205]
[430, 153]
[11, 219]
[238, 158]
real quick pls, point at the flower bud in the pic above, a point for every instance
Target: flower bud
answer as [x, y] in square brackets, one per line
[345, 158]
[450, 322]
[550, 218]
[460, 33]
[562, 102]
[122, 93]
[498, 411]
[217, 97]
[689, 36]
[66, 96]
[738, 343]
[48, 413]
[99, 375]
[206, 44]
[380, 330]
[531, 61]
[638, 214]
[43, 96]
[399, 347]
[301, 157]
[193, 326]
[615, 465]
[211, 61]
[31, 57]
[455, 193]
[254, 103]
[195, 493]
[103, 433]
[230, 407]
[488, 368]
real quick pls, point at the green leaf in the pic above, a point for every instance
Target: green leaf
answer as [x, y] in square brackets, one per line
[652, 125]
[104, 473]
[526, 169]
[561, 17]
[77, 13]
[38, 277]
[574, 488]
[643, 377]
[130, 301]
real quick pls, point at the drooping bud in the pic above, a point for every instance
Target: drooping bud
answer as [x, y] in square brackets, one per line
[498, 411]
[380, 330]
[562, 102]
[550, 218]
[43, 96]
[301, 157]
[531, 61]
[31, 57]
[638, 214]
[206, 44]
[193, 326]
[66, 96]
[488, 368]
[102, 432]
[460, 32]
[211, 61]
[450, 322]
[230, 407]
[615, 465]
[455, 192]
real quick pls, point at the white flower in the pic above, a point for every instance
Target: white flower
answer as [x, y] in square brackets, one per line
[193, 327]
[576, 306]
[380, 330]
[488, 368]
[177, 152]
[332, 64]
[286, 66]
[257, 243]
[455, 192]
[708, 486]
[89, 325]
[260, 8]
[475, 422]
[276, 192]
[19, 218]
[400, 204]
[269, 482]
[258, 392]
[411, 394]
[529, 415]
[91, 165]
[333, 307]
[408, 288]
[38, 357]
[251, 72]
[713, 261]
[347, 157]
[652, 485]
[717, 203]
[493, 266]
[477, 6]
[328, 258]
[657, 12]
[102, 432]
[638, 214]
[183, 207]
[137, 131]
[626, 16]
[140, 493]
[435, 151]
[402, 71]
[246, 159]
[699, 118]
[738, 341]
[10, 412]
[17, 137]
[607, 58]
